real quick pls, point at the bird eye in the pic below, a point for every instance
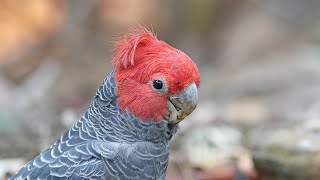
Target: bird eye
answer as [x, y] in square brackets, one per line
[158, 84]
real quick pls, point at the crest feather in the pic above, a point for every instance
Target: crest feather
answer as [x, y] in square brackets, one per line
[126, 46]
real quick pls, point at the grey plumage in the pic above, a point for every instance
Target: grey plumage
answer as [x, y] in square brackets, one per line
[105, 143]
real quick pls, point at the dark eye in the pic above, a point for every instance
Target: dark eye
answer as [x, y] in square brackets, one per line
[158, 84]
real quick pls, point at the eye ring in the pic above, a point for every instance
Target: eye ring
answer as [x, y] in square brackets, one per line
[157, 84]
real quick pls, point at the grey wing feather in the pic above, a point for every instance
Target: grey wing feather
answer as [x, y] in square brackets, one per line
[81, 161]
[63, 160]
[73, 155]
[94, 159]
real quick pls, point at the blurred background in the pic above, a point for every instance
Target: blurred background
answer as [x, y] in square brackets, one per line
[258, 115]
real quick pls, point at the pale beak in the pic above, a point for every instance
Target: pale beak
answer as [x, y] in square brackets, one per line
[182, 104]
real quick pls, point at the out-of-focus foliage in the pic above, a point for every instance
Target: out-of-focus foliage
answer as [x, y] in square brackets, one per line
[258, 113]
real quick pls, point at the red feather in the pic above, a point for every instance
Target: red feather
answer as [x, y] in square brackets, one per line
[125, 47]
[139, 58]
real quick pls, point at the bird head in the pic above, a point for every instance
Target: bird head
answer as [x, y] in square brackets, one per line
[154, 80]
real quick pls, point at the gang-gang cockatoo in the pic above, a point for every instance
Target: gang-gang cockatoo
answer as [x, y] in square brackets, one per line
[126, 131]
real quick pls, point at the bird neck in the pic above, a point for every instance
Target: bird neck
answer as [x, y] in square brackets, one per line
[112, 124]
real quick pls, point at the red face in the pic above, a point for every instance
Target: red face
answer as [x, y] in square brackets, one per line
[148, 72]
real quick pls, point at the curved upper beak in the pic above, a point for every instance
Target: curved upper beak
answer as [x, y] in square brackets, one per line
[183, 104]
